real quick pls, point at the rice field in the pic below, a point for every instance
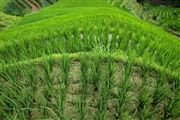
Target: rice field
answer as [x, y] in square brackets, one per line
[168, 17]
[22, 7]
[164, 16]
[88, 60]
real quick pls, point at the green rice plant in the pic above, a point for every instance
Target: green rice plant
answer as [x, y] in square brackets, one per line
[72, 27]
[29, 88]
[70, 44]
[105, 87]
[176, 85]
[144, 107]
[28, 74]
[16, 97]
[110, 73]
[172, 103]
[63, 85]
[26, 101]
[65, 65]
[161, 90]
[84, 86]
[8, 104]
[96, 71]
[162, 94]
[171, 109]
[47, 65]
[10, 107]
[124, 86]
[102, 106]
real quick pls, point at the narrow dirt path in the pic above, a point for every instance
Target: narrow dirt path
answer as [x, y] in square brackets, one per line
[34, 5]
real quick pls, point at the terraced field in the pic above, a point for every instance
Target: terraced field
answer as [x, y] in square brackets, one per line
[167, 17]
[21, 7]
[85, 59]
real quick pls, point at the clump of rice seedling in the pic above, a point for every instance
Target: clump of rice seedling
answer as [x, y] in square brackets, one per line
[144, 107]
[161, 89]
[9, 89]
[63, 85]
[28, 74]
[172, 106]
[96, 72]
[16, 98]
[85, 85]
[8, 75]
[105, 87]
[124, 86]
[47, 64]
[172, 103]
[30, 87]
[162, 94]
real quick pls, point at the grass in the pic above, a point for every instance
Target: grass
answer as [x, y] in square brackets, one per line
[87, 59]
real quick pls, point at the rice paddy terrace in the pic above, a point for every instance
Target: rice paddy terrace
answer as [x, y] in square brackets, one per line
[167, 17]
[85, 59]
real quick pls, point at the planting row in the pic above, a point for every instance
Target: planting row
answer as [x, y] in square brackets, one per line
[166, 17]
[165, 12]
[87, 88]
[21, 7]
[88, 35]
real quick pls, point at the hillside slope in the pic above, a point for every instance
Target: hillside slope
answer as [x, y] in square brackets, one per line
[85, 59]
[37, 27]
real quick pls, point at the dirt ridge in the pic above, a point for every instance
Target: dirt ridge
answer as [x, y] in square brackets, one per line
[33, 4]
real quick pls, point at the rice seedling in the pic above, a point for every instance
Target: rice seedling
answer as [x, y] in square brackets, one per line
[47, 66]
[171, 104]
[144, 107]
[28, 76]
[63, 85]
[96, 72]
[161, 90]
[172, 107]
[10, 102]
[105, 88]
[124, 86]
[82, 105]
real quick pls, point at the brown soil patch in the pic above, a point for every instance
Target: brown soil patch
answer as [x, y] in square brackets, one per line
[34, 5]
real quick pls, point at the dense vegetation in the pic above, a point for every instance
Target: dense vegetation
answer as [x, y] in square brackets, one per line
[86, 59]
[21, 7]
[163, 2]
[167, 17]
[7, 20]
